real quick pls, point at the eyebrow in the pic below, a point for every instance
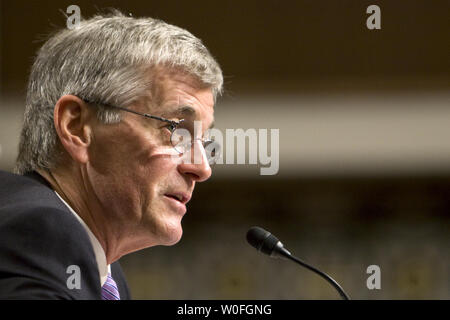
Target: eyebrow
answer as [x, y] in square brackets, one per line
[183, 111]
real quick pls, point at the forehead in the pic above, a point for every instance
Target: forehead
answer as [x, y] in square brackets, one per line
[181, 96]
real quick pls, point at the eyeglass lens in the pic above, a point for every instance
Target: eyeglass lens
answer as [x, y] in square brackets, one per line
[182, 141]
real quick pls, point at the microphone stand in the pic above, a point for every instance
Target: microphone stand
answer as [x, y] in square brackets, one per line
[322, 274]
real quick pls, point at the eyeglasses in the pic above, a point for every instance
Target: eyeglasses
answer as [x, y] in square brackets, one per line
[180, 134]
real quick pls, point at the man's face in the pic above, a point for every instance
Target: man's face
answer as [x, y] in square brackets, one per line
[131, 170]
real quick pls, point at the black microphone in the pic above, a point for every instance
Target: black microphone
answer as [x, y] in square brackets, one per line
[267, 243]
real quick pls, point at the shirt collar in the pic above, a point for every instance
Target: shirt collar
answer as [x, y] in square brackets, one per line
[103, 268]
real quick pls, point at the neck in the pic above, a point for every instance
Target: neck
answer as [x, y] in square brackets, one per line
[66, 186]
[113, 235]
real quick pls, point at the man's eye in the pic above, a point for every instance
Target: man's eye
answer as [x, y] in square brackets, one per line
[170, 127]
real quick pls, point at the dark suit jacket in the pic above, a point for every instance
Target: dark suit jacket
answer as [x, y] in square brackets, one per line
[39, 239]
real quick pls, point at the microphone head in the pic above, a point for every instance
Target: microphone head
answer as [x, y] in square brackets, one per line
[262, 240]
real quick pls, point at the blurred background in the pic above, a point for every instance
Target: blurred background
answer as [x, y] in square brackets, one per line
[364, 120]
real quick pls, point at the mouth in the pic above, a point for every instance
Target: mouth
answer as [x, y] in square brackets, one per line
[181, 197]
[177, 201]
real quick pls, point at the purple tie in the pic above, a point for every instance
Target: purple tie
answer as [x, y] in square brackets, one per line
[109, 289]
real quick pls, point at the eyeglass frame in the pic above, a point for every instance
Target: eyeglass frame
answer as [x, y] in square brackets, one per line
[174, 124]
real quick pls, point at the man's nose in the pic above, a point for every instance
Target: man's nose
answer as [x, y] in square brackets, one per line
[195, 163]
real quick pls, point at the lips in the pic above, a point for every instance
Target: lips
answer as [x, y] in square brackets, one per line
[179, 196]
[177, 201]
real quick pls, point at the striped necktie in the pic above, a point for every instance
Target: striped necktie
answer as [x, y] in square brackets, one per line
[109, 289]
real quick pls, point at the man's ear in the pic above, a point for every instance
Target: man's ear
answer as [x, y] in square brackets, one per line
[72, 123]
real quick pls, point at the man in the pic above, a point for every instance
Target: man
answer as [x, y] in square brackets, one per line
[96, 172]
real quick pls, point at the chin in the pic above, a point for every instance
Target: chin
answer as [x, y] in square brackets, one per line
[171, 235]
[172, 240]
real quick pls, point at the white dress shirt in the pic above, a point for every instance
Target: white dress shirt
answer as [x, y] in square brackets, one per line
[100, 255]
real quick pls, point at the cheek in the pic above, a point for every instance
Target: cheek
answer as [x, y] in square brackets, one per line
[155, 172]
[120, 149]
[135, 192]
[132, 164]
[147, 179]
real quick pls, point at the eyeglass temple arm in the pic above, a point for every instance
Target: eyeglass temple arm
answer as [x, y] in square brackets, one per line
[173, 122]
[146, 115]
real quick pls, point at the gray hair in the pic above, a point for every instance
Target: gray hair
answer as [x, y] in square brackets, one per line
[106, 59]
